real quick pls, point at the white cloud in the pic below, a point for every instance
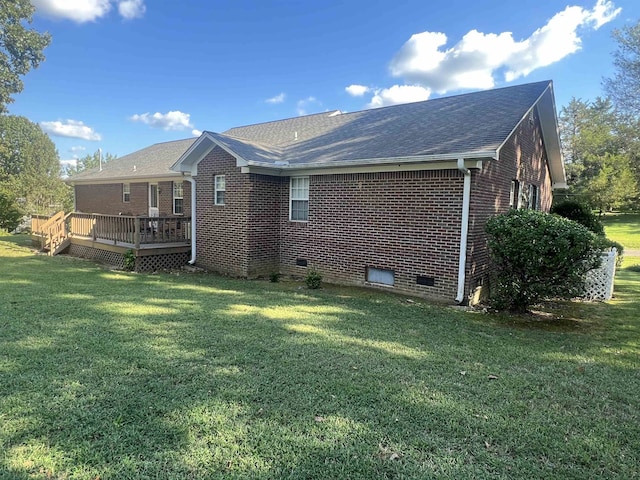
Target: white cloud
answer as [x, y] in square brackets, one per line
[474, 61]
[82, 11]
[277, 99]
[174, 120]
[399, 94]
[77, 148]
[303, 105]
[357, 90]
[196, 133]
[602, 13]
[72, 129]
[130, 9]
[69, 163]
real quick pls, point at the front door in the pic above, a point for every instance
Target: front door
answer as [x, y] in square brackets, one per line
[153, 200]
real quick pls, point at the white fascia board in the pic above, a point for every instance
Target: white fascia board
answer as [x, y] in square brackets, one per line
[427, 162]
[545, 104]
[145, 179]
[188, 162]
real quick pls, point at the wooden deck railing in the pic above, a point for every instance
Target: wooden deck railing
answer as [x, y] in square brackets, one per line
[132, 230]
[37, 221]
[118, 229]
[52, 231]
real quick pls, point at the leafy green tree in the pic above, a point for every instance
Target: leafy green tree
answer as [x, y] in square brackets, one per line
[89, 162]
[30, 168]
[20, 47]
[598, 146]
[537, 256]
[10, 213]
[624, 86]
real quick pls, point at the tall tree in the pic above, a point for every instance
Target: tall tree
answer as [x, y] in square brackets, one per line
[20, 47]
[29, 167]
[624, 86]
[89, 161]
[596, 146]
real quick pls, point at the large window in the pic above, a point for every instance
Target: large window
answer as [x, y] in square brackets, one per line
[299, 199]
[219, 189]
[126, 192]
[178, 198]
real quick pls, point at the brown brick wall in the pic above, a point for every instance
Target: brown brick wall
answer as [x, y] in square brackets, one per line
[221, 237]
[408, 222]
[107, 199]
[263, 242]
[522, 158]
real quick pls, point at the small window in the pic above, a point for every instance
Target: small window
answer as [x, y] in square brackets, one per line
[219, 189]
[178, 198]
[299, 199]
[514, 195]
[126, 192]
[533, 197]
[380, 276]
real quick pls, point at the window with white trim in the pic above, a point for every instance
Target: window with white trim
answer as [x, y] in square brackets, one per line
[299, 199]
[178, 198]
[126, 192]
[219, 186]
[514, 194]
[533, 197]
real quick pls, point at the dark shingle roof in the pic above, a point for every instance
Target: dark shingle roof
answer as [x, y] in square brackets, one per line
[473, 122]
[150, 162]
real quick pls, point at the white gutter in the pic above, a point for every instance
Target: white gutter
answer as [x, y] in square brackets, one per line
[464, 228]
[192, 181]
[477, 155]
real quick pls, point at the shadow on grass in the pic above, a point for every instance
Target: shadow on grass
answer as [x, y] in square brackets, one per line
[120, 375]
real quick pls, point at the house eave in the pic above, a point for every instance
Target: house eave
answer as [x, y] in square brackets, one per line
[411, 163]
[189, 160]
[124, 179]
[546, 107]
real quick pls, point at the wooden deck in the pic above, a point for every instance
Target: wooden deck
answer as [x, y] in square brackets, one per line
[108, 231]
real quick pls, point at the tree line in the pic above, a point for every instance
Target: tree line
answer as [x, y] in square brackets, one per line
[601, 138]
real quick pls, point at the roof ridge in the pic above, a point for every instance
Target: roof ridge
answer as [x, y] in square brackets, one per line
[328, 113]
[169, 141]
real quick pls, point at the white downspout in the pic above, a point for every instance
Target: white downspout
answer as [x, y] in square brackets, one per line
[464, 228]
[192, 181]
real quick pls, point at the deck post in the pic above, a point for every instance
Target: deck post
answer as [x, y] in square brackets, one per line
[136, 233]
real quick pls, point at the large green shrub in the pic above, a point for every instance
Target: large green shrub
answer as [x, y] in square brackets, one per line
[536, 256]
[579, 212]
[10, 214]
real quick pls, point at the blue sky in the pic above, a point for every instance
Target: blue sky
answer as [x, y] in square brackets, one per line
[124, 74]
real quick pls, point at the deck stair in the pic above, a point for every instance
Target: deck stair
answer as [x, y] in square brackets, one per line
[54, 236]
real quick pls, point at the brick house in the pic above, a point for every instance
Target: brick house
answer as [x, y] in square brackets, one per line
[394, 197]
[141, 183]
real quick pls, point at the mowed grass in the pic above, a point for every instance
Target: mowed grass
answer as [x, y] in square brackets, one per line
[624, 228]
[114, 375]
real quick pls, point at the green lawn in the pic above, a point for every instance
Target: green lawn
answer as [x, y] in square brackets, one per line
[624, 229]
[114, 375]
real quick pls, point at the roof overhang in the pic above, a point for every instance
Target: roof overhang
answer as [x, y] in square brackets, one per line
[188, 162]
[124, 179]
[397, 164]
[546, 106]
